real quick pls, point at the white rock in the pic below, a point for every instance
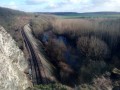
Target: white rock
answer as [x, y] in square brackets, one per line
[12, 64]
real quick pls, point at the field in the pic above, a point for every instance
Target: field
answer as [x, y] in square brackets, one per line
[89, 15]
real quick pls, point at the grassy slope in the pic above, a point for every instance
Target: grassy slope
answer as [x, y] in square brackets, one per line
[7, 16]
[12, 21]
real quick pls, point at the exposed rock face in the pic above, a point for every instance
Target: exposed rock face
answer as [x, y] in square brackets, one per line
[12, 64]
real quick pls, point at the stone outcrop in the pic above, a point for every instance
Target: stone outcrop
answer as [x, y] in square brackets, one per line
[12, 64]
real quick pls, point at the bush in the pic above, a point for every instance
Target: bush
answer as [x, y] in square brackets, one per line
[93, 48]
[57, 48]
[51, 87]
[91, 70]
[85, 87]
[41, 24]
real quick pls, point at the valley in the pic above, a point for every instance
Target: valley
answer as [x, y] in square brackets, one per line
[64, 51]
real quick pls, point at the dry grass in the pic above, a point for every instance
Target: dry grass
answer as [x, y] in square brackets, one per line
[62, 26]
[81, 26]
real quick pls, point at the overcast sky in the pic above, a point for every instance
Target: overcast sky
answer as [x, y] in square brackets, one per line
[62, 5]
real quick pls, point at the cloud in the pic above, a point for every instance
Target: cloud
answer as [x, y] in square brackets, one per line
[78, 1]
[75, 5]
[104, 5]
[12, 5]
[99, 1]
[68, 5]
[33, 2]
[63, 5]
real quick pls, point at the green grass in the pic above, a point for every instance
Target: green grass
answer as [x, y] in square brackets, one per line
[75, 16]
[50, 87]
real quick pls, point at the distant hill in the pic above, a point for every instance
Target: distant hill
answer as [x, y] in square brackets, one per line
[84, 15]
[102, 13]
[10, 12]
[57, 13]
[71, 13]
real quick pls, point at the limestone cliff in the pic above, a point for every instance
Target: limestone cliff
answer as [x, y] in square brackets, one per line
[12, 64]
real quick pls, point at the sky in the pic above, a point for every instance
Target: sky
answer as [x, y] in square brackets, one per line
[62, 5]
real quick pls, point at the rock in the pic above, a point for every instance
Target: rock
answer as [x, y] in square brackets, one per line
[116, 71]
[12, 64]
[115, 74]
[102, 83]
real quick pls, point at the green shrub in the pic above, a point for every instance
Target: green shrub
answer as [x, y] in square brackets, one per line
[51, 87]
[85, 87]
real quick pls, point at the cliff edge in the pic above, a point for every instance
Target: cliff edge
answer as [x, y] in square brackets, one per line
[12, 64]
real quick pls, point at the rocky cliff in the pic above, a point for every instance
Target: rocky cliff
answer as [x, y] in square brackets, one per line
[12, 64]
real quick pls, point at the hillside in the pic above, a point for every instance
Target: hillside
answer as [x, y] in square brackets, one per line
[13, 21]
[10, 12]
[7, 16]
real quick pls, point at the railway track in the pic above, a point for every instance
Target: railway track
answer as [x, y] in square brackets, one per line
[34, 62]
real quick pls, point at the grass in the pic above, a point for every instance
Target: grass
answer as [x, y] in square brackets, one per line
[76, 16]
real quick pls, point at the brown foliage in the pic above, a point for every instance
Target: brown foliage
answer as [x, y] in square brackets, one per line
[97, 39]
[57, 48]
[93, 47]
